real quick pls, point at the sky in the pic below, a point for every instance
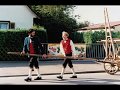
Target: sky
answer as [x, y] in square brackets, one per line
[95, 13]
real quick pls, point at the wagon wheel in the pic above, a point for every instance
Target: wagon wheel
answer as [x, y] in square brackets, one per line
[110, 67]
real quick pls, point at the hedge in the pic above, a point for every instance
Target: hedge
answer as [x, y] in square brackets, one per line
[12, 40]
[91, 37]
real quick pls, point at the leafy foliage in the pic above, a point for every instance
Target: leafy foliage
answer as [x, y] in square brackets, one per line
[55, 19]
[88, 38]
[12, 40]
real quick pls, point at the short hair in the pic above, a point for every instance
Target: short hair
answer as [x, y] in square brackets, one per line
[65, 33]
[31, 30]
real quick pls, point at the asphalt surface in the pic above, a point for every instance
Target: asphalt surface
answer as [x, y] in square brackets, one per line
[82, 79]
[20, 68]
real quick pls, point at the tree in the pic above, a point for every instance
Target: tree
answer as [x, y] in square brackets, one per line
[55, 19]
[84, 24]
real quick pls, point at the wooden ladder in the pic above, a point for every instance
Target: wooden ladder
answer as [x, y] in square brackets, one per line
[109, 44]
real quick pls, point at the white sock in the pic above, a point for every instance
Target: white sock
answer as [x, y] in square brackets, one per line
[30, 73]
[38, 73]
[63, 70]
[72, 69]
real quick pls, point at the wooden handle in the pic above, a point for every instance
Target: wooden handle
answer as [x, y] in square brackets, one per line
[51, 56]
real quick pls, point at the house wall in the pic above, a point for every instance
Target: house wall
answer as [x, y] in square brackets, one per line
[95, 30]
[117, 28]
[20, 14]
[89, 30]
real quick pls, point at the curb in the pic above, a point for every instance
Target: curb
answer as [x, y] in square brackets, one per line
[55, 73]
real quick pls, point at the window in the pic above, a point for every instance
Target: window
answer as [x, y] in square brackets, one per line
[12, 25]
[7, 25]
[36, 21]
[4, 24]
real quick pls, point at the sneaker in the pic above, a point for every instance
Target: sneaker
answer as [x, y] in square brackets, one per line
[60, 77]
[28, 79]
[74, 76]
[38, 78]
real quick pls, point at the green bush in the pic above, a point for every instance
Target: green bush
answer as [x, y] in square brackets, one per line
[91, 37]
[77, 37]
[12, 41]
[97, 36]
[88, 38]
[116, 34]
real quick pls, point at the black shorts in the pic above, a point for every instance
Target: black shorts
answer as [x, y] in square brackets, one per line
[68, 61]
[34, 62]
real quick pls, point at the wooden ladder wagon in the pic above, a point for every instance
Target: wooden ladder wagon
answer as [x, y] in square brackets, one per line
[112, 49]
